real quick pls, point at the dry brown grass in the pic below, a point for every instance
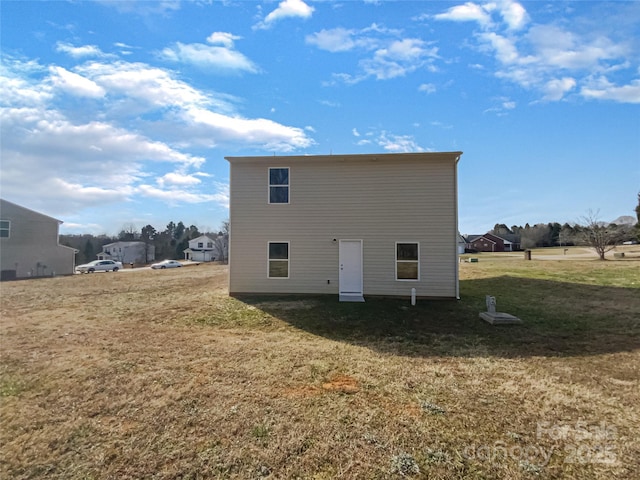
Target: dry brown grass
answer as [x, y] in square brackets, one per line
[159, 374]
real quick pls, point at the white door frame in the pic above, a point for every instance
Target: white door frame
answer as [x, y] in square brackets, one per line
[341, 266]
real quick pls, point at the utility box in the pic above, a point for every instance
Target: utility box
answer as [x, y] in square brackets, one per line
[8, 275]
[527, 254]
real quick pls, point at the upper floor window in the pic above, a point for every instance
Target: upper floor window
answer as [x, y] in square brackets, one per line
[200, 244]
[407, 261]
[279, 185]
[209, 244]
[5, 228]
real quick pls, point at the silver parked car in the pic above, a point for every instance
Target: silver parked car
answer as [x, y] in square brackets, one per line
[99, 266]
[166, 264]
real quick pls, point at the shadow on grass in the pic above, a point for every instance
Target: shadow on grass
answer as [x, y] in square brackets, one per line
[558, 319]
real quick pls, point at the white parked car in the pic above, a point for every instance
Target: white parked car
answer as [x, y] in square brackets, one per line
[99, 266]
[166, 264]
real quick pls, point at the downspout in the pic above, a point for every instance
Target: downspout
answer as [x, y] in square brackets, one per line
[455, 243]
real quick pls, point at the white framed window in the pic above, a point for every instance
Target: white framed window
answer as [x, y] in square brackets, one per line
[5, 228]
[278, 184]
[278, 260]
[200, 244]
[407, 261]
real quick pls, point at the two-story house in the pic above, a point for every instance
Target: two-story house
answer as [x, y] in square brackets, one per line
[201, 249]
[128, 252]
[29, 244]
[351, 225]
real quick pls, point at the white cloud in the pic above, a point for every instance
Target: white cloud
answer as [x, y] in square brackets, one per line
[79, 52]
[427, 88]
[603, 89]
[560, 48]
[330, 103]
[398, 143]
[159, 7]
[286, 9]
[75, 84]
[223, 38]
[105, 153]
[399, 58]
[504, 48]
[465, 13]
[249, 132]
[557, 88]
[514, 14]
[366, 39]
[140, 87]
[552, 60]
[220, 57]
[176, 178]
[17, 86]
[176, 196]
[333, 40]
[393, 56]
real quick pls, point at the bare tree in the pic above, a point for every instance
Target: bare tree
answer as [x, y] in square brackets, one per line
[222, 242]
[129, 233]
[535, 236]
[598, 235]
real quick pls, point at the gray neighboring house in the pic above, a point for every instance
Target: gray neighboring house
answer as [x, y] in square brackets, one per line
[349, 225]
[128, 252]
[29, 244]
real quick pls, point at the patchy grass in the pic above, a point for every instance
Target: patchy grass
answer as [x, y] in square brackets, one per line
[162, 375]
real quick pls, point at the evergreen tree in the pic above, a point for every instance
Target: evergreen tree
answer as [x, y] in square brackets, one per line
[88, 252]
[178, 233]
[193, 232]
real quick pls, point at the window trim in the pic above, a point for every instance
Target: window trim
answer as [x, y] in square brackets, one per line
[7, 229]
[406, 261]
[288, 260]
[288, 186]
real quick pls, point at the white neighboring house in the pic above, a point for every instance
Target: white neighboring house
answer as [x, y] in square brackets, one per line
[462, 244]
[201, 249]
[352, 225]
[128, 252]
[29, 244]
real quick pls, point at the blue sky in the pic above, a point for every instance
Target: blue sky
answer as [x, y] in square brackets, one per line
[121, 112]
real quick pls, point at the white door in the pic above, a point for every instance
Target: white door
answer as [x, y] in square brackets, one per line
[350, 257]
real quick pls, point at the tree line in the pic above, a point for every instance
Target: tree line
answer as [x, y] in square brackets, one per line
[590, 232]
[169, 243]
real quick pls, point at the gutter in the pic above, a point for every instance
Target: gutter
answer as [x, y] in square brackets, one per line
[455, 242]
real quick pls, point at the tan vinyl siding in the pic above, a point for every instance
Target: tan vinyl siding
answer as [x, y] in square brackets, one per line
[33, 243]
[380, 200]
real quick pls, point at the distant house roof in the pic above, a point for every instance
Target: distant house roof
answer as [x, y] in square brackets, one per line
[506, 237]
[472, 237]
[122, 244]
[201, 238]
[510, 237]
